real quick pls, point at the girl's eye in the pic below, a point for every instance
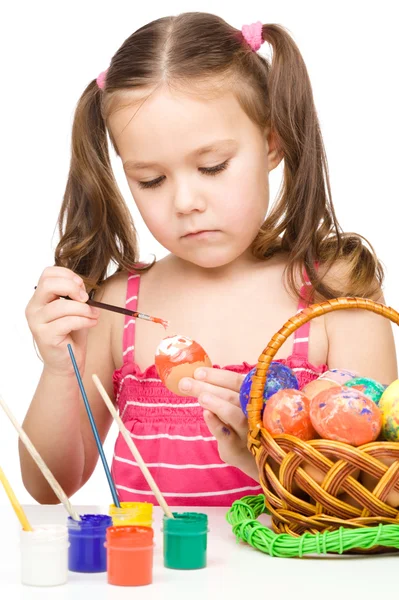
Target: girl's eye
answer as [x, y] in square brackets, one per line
[204, 170]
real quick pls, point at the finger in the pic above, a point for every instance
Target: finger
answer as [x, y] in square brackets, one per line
[220, 377]
[230, 415]
[51, 288]
[218, 429]
[65, 308]
[62, 327]
[54, 271]
[196, 388]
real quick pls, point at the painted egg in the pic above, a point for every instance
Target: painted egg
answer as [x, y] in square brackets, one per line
[389, 407]
[316, 386]
[370, 388]
[371, 482]
[345, 415]
[177, 357]
[287, 411]
[340, 376]
[278, 377]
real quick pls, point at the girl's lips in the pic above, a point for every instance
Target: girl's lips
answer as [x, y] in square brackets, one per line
[200, 234]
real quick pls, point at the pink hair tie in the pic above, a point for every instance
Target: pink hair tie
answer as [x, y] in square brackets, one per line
[101, 79]
[253, 35]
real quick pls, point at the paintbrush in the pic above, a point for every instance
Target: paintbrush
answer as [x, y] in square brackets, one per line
[94, 429]
[14, 502]
[57, 489]
[132, 447]
[123, 311]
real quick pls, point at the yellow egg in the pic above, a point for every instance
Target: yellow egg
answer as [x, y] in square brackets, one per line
[389, 407]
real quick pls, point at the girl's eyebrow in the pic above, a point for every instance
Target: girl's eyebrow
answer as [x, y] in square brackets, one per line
[216, 145]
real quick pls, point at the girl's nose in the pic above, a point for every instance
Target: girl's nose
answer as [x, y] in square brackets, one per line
[188, 199]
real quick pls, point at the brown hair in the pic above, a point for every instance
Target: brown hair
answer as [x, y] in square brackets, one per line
[95, 225]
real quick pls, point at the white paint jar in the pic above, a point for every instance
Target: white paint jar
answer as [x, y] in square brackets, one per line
[44, 555]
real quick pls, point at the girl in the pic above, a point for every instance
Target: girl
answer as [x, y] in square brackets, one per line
[199, 119]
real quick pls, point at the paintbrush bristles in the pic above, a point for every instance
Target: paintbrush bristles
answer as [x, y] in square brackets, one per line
[14, 502]
[57, 489]
[133, 448]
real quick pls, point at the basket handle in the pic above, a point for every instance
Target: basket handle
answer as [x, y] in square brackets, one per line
[314, 310]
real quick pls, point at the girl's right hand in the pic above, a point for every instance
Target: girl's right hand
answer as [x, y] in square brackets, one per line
[56, 322]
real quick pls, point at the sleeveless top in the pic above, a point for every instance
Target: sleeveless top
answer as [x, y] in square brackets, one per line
[171, 434]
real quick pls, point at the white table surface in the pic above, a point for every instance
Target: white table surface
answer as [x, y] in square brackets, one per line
[233, 570]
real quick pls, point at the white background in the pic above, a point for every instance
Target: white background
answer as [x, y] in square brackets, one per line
[50, 51]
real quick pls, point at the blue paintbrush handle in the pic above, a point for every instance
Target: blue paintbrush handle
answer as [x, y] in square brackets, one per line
[94, 429]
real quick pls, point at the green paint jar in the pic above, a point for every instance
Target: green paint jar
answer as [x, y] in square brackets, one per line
[185, 540]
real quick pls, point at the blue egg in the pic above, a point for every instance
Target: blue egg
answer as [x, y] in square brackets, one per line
[278, 377]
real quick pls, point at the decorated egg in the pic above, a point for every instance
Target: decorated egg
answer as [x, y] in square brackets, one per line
[389, 407]
[316, 386]
[371, 482]
[287, 411]
[370, 388]
[345, 415]
[278, 377]
[177, 357]
[340, 376]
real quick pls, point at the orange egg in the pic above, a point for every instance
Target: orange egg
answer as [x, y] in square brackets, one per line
[345, 415]
[177, 357]
[370, 482]
[287, 411]
[316, 386]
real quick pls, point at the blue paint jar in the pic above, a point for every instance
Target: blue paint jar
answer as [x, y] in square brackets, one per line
[86, 537]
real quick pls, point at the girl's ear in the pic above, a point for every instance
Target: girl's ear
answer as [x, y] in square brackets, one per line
[274, 154]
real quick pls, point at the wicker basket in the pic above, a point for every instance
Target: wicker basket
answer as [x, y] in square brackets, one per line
[320, 510]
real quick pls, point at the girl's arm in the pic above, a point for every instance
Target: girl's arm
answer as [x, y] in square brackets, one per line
[57, 421]
[360, 340]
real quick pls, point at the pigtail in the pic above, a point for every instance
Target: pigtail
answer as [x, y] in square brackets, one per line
[94, 223]
[303, 221]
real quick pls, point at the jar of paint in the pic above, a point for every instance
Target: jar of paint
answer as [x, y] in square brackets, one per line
[44, 555]
[87, 537]
[132, 513]
[130, 550]
[185, 540]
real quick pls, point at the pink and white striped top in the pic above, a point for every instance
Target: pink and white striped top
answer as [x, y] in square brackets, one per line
[171, 434]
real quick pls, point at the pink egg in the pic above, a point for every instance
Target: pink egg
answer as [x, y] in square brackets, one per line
[340, 376]
[345, 415]
[287, 411]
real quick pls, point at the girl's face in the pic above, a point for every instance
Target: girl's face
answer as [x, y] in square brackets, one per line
[198, 172]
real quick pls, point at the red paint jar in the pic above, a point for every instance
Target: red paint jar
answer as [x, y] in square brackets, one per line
[130, 551]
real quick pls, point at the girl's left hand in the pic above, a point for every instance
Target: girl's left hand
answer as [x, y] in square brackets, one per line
[218, 393]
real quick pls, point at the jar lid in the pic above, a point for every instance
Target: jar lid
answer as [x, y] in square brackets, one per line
[132, 508]
[130, 536]
[42, 534]
[186, 523]
[89, 523]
